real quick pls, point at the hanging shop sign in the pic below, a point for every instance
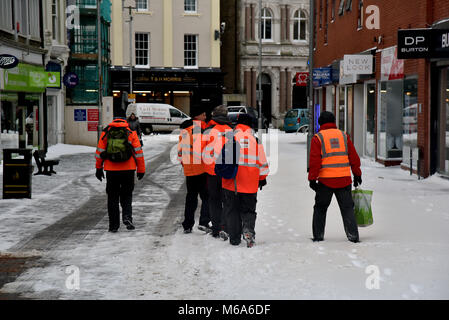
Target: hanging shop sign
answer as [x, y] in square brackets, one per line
[357, 64]
[346, 78]
[423, 43]
[8, 61]
[70, 80]
[391, 67]
[322, 76]
[53, 79]
[301, 79]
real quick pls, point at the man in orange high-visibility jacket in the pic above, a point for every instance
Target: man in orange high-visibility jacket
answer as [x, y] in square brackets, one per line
[332, 157]
[120, 175]
[214, 137]
[240, 194]
[190, 149]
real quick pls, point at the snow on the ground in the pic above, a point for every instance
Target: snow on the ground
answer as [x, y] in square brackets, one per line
[408, 245]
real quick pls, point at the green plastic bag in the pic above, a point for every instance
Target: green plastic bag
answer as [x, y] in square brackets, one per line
[362, 207]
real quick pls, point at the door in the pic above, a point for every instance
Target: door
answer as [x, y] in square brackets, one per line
[175, 119]
[51, 120]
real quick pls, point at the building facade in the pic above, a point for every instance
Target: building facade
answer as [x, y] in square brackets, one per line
[397, 113]
[285, 52]
[174, 50]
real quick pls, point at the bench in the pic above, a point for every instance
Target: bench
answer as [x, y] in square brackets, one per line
[39, 157]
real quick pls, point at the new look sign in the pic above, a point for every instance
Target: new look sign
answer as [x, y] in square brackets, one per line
[358, 64]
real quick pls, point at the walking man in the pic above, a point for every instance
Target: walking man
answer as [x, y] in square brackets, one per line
[332, 157]
[214, 137]
[120, 153]
[240, 193]
[190, 149]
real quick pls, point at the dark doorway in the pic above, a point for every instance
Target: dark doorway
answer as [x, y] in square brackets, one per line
[266, 97]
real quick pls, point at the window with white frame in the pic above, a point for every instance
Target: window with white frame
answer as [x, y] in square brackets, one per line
[299, 25]
[267, 22]
[142, 5]
[190, 5]
[54, 19]
[142, 46]
[190, 50]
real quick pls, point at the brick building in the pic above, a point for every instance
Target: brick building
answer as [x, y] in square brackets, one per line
[398, 113]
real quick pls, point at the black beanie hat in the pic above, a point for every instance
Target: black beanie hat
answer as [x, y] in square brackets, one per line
[196, 110]
[245, 119]
[326, 117]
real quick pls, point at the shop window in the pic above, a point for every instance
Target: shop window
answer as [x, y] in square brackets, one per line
[370, 119]
[360, 15]
[410, 120]
[390, 120]
[443, 120]
[341, 108]
[341, 8]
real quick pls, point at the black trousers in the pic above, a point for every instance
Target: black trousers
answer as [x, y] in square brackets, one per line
[323, 199]
[214, 191]
[119, 187]
[196, 185]
[240, 212]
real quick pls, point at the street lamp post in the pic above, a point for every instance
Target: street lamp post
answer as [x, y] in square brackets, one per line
[100, 74]
[130, 8]
[311, 109]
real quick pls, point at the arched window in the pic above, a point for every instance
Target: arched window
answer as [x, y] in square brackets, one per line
[300, 25]
[267, 19]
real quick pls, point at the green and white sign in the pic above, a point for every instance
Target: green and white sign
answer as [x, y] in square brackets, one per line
[53, 79]
[25, 78]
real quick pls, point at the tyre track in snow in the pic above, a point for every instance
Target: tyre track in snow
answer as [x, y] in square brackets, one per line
[84, 222]
[77, 225]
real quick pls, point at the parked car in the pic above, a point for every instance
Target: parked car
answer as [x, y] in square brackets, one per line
[296, 120]
[234, 111]
[155, 117]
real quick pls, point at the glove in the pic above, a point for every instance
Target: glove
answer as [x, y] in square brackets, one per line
[357, 181]
[313, 185]
[140, 175]
[99, 174]
[262, 183]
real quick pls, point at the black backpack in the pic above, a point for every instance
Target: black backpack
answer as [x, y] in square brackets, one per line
[227, 163]
[118, 148]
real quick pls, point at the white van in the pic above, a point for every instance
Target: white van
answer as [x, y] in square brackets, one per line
[157, 116]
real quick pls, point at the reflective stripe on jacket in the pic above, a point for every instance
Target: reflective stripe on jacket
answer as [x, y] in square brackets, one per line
[136, 161]
[190, 148]
[253, 165]
[334, 154]
[214, 137]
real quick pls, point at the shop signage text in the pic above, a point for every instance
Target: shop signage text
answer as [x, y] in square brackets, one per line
[79, 114]
[70, 80]
[423, 43]
[357, 64]
[322, 76]
[8, 61]
[301, 79]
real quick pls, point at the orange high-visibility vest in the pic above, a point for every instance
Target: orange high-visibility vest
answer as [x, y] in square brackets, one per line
[334, 154]
[190, 148]
[214, 136]
[136, 161]
[253, 165]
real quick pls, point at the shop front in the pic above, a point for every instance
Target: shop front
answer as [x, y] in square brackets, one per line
[180, 88]
[21, 96]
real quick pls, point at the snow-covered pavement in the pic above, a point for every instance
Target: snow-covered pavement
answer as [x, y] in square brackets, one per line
[408, 244]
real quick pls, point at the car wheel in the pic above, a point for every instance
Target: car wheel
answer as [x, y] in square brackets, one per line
[148, 130]
[304, 129]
